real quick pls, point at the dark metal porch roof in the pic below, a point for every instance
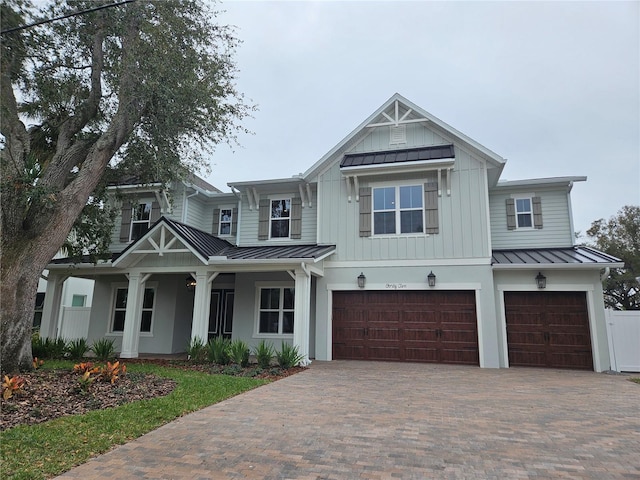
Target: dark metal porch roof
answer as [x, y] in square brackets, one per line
[397, 156]
[569, 256]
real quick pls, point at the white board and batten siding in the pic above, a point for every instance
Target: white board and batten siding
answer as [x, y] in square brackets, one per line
[556, 221]
[463, 229]
[623, 331]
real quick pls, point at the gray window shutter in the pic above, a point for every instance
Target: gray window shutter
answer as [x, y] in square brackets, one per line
[155, 212]
[234, 221]
[216, 221]
[125, 224]
[263, 219]
[296, 218]
[537, 211]
[365, 211]
[511, 214]
[432, 224]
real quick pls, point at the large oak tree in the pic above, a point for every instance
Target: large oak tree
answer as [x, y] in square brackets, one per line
[620, 236]
[147, 87]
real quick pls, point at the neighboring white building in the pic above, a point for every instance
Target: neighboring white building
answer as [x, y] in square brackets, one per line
[401, 243]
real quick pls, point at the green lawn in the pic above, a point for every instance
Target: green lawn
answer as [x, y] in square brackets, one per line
[51, 448]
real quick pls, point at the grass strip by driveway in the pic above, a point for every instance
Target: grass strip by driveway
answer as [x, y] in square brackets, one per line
[44, 450]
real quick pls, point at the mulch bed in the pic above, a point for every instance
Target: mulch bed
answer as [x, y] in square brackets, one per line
[49, 394]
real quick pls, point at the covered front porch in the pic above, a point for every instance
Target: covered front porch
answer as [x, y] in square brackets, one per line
[178, 284]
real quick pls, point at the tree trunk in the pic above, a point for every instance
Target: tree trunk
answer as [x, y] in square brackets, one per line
[18, 290]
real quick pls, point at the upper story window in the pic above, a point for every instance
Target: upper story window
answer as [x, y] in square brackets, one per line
[140, 219]
[398, 210]
[275, 310]
[524, 213]
[120, 308]
[280, 218]
[226, 217]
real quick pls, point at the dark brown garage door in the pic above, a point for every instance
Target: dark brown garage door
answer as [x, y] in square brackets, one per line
[548, 329]
[412, 326]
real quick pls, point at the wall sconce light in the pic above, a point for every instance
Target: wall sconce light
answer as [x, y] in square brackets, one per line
[361, 280]
[541, 280]
[431, 279]
[190, 283]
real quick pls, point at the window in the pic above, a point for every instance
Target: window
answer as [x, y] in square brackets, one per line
[226, 215]
[120, 308]
[524, 213]
[140, 217]
[275, 310]
[280, 217]
[78, 300]
[37, 314]
[398, 210]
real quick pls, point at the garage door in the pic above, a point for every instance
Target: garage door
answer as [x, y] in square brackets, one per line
[548, 329]
[411, 326]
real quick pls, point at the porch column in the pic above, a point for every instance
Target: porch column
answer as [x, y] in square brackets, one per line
[201, 307]
[133, 315]
[301, 314]
[51, 306]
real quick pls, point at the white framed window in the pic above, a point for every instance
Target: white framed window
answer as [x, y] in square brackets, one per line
[78, 300]
[140, 220]
[275, 310]
[524, 212]
[120, 294]
[225, 220]
[280, 221]
[398, 209]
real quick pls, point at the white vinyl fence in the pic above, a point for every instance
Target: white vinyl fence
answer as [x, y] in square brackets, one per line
[74, 323]
[623, 330]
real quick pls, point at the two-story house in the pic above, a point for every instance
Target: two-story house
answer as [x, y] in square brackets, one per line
[401, 243]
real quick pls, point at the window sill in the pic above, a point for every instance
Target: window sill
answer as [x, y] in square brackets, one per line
[120, 334]
[273, 335]
[401, 235]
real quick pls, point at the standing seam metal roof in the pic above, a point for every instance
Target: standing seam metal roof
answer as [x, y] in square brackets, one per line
[397, 156]
[552, 256]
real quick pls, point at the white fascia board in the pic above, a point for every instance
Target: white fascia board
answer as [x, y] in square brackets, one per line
[539, 182]
[557, 266]
[400, 167]
[451, 262]
[262, 261]
[254, 183]
[147, 187]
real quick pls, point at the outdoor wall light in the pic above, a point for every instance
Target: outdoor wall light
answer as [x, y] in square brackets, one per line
[431, 279]
[541, 280]
[361, 280]
[190, 283]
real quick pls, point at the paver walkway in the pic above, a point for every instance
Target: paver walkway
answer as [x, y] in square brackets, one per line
[348, 420]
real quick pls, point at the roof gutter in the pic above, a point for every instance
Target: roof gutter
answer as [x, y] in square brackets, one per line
[556, 266]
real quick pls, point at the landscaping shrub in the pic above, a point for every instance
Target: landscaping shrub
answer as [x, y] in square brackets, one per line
[288, 356]
[264, 354]
[197, 350]
[239, 353]
[104, 349]
[218, 350]
[48, 347]
[77, 348]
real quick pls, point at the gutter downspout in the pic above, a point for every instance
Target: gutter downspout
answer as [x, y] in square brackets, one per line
[238, 194]
[604, 274]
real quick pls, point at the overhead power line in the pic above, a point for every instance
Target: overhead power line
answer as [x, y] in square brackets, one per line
[72, 14]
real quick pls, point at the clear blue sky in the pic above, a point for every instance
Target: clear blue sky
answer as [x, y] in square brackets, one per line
[553, 87]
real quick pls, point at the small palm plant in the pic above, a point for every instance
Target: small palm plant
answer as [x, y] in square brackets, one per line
[264, 354]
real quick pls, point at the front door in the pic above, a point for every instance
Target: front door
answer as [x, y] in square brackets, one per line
[221, 313]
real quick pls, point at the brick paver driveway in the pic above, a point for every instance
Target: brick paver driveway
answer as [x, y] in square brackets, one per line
[346, 420]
